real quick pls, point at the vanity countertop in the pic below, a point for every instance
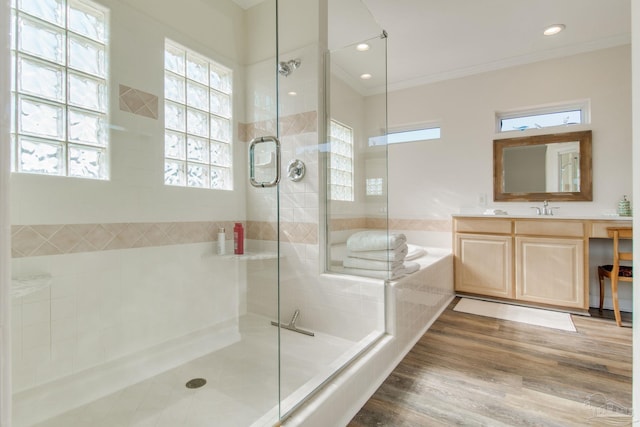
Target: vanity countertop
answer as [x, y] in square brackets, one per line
[544, 217]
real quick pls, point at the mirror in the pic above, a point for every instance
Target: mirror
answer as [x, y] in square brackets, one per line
[543, 167]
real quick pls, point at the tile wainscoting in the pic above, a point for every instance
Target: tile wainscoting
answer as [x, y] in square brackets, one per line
[341, 224]
[57, 239]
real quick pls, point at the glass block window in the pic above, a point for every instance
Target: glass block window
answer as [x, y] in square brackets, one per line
[538, 118]
[197, 120]
[374, 187]
[59, 81]
[340, 162]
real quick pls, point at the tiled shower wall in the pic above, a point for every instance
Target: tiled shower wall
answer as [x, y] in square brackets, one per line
[95, 307]
[109, 269]
[347, 307]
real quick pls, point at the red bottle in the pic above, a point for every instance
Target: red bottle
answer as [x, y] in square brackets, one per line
[238, 239]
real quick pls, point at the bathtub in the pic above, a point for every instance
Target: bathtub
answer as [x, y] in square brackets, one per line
[413, 302]
[409, 298]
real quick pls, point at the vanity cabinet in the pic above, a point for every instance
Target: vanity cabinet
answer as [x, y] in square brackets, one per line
[484, 262]
[550, 262]
[539, 261]
[550, 271]
[484, 265]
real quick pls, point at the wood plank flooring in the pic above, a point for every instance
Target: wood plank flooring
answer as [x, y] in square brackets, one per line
[474, 370]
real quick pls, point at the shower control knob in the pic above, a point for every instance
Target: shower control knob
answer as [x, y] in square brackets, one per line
[296, 170]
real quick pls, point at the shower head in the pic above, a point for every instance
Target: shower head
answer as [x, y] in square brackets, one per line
[286, 68]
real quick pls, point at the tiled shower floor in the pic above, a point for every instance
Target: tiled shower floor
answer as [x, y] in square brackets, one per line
[242, 383]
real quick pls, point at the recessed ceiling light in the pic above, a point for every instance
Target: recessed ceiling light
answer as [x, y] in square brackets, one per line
[365, 76]
[553, 29]
[362, 47]
[292, 93]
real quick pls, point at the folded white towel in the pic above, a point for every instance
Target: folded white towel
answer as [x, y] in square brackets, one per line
[375, 241]
[415, 252]
[376, 274]
[410, 267]
[371, 264]
[397, 254]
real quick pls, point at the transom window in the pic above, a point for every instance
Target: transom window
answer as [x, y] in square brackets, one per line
[197, 120]
[59, 88]
[340, 162]
[399, 137]
[538, 118]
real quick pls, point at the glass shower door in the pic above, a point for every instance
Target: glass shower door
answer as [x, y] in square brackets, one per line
[260, 131]
[131, 129]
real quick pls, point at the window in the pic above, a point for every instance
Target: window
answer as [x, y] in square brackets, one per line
[340, 162]
[59, 88]
[538, 118]
[197, 120]
[374, 186]
[406, 136]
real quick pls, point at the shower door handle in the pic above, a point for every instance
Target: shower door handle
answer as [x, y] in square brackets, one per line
[274, 160]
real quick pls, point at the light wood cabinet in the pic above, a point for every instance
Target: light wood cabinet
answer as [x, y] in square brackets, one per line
[483, 264]
[541, 261]
[599, 228]
[550, 271]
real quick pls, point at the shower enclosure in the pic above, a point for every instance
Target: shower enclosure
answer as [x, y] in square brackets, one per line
[139, 130]
[357, 161]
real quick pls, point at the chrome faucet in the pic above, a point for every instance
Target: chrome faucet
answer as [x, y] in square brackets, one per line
[545, 209]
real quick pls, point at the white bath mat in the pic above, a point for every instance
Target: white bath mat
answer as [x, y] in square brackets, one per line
[532, 316]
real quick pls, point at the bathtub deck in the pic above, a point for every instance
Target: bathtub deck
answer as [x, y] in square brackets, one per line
[413, 303]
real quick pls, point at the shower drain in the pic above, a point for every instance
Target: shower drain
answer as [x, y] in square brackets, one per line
[196, 383]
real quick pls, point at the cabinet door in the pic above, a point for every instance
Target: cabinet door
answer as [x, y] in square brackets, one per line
[550, 271]
[483, 265]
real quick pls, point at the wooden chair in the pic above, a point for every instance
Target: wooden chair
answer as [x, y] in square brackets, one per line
[616, 272]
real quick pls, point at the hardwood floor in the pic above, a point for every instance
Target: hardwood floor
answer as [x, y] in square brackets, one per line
[474, 370]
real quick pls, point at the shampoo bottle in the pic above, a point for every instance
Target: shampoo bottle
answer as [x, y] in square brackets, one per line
[222, 239]
[238, 239]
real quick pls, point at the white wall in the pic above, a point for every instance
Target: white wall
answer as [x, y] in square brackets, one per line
[449, 175]
[136, 190]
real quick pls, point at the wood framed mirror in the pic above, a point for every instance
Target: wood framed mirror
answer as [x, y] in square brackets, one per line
[543, 167]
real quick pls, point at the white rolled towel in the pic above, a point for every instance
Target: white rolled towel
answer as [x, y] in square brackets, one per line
[410, 267]
[397, 254]
[377, 274]
[375, 241]
[369, 264]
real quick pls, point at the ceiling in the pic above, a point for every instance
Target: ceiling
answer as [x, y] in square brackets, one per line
[433, 40]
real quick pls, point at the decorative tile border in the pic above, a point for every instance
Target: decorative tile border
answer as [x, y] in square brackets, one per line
[138, 102]
[294, 124]
[58, 239]
[341, 224]
[420, 224]
[37, 240]
[291, 232]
